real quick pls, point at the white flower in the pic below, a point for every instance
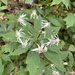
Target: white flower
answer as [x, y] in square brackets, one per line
[45, 23]
[23, 43]
[21, 19]
[40, 49]
[19, 34]
[34, 15]
[65, 63]
[54, 40]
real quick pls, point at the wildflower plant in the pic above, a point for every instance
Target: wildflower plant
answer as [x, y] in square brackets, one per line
[32, 41]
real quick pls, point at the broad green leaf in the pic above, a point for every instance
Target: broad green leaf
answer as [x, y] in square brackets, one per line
[64, 54]
[3, 7]
[30, 1]
[6, 48]
[61, 44]
[37, 24]
[1, 67]
[40, 11]
[10, 36]
[56, 2]
[55, 21]
[54, 49]
[66, 2]
[70, 20]
[48, 71]
[71, 59]
[32, 62]
[35, 64]
[19, 51]
[72, 48]
[55, 58]
[4, 1]
[8, 69]
[5, 57]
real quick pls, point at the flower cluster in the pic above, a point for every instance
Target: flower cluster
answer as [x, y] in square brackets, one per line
[19, 36]
[44, 24]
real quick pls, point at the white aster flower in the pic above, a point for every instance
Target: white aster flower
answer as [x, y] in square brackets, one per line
[19, 34]
[34, 15]
[40, 49]
[45, 24]
[54, 40]
[23, 43]
[21, 19]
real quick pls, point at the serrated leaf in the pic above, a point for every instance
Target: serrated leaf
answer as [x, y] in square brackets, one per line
[70, 20]
[55, 58]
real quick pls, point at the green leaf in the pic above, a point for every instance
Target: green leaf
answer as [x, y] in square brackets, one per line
[8, 69]
[70, 20]
[71, 59]
[37, 24]
[66, 2]
[10, 36]
[19, 51]
[32, 63]
[62, 43]
[64, 54]
[3, 7]
[48, 71]
[72, 48]
[54, 49]
[4, 1]
[5, 57]
[56, 2]
[1, 67]
[54, 21]
[30, 1]
[35, 64]
[1, 13]
[40, 11]
[55, 58]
